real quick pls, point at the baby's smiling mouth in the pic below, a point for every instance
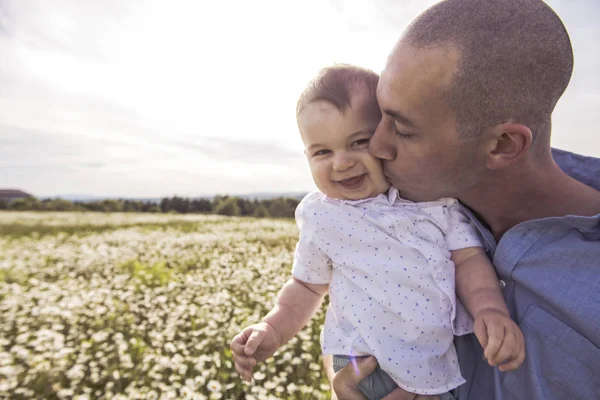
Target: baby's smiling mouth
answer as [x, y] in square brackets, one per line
[352, 183]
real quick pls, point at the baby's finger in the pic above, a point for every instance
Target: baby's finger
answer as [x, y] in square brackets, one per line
[237, 346]
[495, 334]
[239, 368]
[514, 363]
[480, 331]
[245, 362]
[244, 368]
[518, 354]
[505, 353]
[254, 341]
[239, 341]
[511, 346]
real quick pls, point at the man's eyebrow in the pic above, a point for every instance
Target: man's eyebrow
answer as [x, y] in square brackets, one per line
[398, 116]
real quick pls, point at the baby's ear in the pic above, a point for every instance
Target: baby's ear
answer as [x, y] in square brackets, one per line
[508, 143]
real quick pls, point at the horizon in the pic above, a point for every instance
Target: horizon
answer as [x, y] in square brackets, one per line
[257, 195]
[146, 99]
[87, 197]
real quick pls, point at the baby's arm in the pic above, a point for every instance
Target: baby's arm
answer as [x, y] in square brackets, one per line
[296, 304]
[479, 290]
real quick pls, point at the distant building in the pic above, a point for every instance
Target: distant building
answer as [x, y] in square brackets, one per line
[9, 195]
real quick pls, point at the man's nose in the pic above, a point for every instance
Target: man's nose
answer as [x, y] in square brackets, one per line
[343, 162]
[382, 143]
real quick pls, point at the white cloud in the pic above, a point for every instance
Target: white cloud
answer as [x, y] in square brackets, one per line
[153, 98]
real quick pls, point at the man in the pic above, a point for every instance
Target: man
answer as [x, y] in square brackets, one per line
[467, 96]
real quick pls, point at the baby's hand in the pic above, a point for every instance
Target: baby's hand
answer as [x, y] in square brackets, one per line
[501, 339]
[254, 344]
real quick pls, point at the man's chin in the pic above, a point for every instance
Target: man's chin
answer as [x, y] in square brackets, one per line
[402, 194]
[406, 194]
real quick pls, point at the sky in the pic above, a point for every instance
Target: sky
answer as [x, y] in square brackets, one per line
[153, 98]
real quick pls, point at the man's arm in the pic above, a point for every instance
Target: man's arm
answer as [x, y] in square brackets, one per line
[344, 384]
[329, 373]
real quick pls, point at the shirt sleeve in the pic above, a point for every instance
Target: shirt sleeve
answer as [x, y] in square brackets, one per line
[460, 233]
[311, 264]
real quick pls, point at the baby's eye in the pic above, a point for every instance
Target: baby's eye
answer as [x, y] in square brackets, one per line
[361, 142]
[321, 152]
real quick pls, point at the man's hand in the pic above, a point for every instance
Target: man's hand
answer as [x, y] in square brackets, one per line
[345, 383]
[501, 339]
[254, 344]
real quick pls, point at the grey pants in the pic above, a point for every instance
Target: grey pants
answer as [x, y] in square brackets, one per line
[378, 384]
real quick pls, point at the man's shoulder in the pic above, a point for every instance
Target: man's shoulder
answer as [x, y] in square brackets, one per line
[585, 169]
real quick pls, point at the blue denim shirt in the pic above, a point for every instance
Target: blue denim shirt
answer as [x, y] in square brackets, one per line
[551, 268]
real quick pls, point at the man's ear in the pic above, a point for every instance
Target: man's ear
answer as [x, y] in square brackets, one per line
[509, 142]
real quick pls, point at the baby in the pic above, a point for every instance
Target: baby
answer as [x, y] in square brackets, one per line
[387, 263]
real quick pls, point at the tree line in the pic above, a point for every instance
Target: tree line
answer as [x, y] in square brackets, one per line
[281, 207]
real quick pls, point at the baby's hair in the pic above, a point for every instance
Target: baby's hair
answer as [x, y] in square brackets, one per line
[337, 84]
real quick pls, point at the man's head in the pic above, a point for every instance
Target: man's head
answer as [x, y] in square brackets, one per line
[337, 115]
[473, 84]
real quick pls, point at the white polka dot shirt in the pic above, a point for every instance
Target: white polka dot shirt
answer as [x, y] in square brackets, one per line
[391, 282]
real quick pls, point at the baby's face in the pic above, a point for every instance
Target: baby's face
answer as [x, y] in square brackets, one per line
[337, 148]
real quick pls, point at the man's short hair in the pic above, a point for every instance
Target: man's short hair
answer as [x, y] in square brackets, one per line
[337, 85]
[515, 60]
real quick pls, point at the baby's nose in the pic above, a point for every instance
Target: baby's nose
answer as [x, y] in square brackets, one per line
[342, 162]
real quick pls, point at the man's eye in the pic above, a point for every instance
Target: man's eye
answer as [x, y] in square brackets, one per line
[321, 152]
[400, 134]
[403, 135]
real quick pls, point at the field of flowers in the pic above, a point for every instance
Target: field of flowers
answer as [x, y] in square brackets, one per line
[143, 306]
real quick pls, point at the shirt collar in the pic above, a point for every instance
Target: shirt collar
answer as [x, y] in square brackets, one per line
[584, 169]
[388, 198]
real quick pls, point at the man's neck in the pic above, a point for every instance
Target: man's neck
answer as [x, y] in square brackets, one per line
[541, 191]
